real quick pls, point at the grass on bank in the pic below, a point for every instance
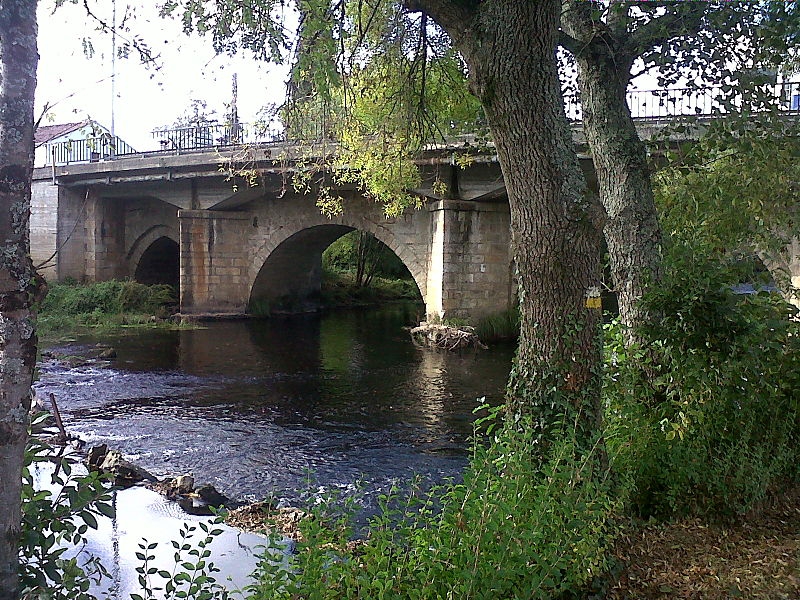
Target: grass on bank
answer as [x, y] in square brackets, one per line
[339, 289]
[105, 305]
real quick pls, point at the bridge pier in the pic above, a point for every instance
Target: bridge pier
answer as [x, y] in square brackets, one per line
[213, 261]
[469, 272]
[105, 239]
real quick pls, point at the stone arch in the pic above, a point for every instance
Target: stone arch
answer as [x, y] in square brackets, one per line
[291, 262]
[155, 257]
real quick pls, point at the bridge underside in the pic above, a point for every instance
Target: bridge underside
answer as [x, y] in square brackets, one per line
[160, 263]
[291, 277]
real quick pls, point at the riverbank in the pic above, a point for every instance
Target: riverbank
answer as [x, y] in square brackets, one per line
[341, 290]
[70, 307]
[755, 557]
[683, 559]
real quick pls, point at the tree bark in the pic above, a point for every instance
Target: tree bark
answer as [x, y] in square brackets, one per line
[510, 48]
[605, 53]
[632, 231]
[19, 284]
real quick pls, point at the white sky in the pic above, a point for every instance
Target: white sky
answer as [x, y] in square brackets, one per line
[145, 98]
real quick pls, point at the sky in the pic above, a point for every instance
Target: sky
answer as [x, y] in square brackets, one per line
[77, 86]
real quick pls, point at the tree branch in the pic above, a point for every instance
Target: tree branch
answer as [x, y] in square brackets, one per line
[568, 42]
[451, 15]
[618, 16]
[684, 18]
[579, 27]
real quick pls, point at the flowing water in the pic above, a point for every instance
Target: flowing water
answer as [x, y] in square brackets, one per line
[284, 408]
[281, 407]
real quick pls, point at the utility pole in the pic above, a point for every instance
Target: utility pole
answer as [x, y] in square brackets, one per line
[113, 64]
[234, 115]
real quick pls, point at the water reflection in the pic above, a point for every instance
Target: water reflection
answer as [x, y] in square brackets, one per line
[143, 516]
[255, 407]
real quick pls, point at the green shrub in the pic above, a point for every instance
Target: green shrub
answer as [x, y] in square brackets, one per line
[107, 303]
[514, 527]
[55, 519]
[706, 418]
[193, 573]
[343, 255]
[106, 298]
[499, 326]
[339, 288]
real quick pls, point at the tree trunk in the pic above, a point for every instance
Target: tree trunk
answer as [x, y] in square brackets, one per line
[19, 284]
[509, 46]
[632, 232]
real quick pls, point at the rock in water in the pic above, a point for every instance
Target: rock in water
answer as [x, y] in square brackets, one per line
[96, 456]
[203, 501]
[125, 472]
[107, 354]
[184, 484]
[210, 495]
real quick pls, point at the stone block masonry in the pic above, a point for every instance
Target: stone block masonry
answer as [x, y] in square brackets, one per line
[210, 242]
[470, 259]
[240, 247]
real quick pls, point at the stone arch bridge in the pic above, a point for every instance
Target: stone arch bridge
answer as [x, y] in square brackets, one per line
[176, 218]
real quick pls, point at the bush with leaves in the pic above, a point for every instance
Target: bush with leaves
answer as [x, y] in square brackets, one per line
[193, 573]
[107, 297]
[707, 419]
[362, 253]
[106, 303]
[736, 191]
[58, 508]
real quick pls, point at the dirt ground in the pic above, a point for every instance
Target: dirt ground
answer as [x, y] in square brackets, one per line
[757, 557]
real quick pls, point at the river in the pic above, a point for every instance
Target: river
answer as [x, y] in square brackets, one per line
[284, 407]
[287, 408]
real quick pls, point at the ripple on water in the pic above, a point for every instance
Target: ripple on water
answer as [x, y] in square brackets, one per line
[263, 408]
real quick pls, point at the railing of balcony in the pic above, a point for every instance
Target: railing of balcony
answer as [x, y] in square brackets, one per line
[92, 149]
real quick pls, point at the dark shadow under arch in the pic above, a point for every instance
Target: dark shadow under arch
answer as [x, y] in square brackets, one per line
[290, 278]
[160, 263]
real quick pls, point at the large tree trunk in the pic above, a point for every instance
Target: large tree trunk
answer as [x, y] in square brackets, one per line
[509, 46]
[632, 231]
[18, 281]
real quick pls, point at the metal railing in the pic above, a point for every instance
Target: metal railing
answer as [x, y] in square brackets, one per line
[217, 136]
[93, 149]
[644, 105]
[700, 102]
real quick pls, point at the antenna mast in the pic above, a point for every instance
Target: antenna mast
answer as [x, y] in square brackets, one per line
[113, 62]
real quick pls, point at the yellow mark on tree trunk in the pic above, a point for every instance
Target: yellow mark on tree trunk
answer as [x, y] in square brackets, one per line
[593, 299]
